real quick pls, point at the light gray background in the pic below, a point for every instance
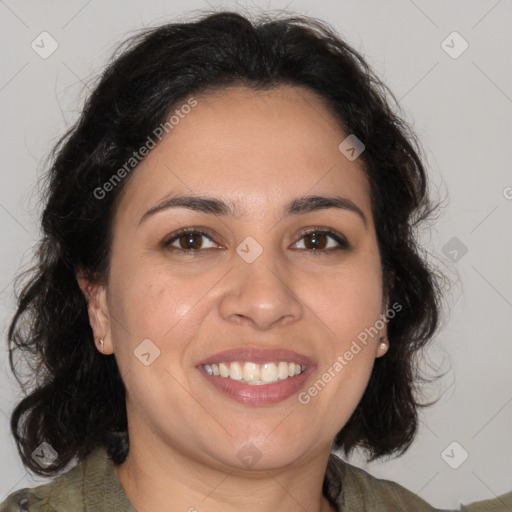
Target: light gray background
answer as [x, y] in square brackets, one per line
[462, 111]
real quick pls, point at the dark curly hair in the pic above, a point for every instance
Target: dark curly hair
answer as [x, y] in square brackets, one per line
[77, 400]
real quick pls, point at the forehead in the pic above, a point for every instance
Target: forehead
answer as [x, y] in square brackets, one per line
[255, 148]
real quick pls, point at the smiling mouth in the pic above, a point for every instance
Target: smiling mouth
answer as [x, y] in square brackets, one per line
[255, 374]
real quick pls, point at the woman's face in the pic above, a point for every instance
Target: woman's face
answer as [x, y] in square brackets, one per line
[254, 284]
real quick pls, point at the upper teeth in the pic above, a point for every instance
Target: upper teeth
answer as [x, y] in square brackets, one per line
[253, 373]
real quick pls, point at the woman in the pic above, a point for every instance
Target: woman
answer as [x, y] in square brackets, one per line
[228, 285]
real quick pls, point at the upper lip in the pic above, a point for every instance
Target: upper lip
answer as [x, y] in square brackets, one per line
[257, 355]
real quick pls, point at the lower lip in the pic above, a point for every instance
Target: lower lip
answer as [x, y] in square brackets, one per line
[262, 394]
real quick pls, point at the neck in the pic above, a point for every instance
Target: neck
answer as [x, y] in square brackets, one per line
[151, 480]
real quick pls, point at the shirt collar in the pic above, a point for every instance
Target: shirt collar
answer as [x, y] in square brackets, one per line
[102, 488]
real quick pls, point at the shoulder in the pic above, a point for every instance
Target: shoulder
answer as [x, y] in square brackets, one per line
[363, 492]
[64, 489]
[15, 502]
[501, 503]
[64, 492]
[353, 488]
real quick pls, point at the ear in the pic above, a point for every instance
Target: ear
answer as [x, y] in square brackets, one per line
[97, 307]
[383, 342]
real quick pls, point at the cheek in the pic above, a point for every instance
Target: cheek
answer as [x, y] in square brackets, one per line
[349, 306]
[348, 300]
[151, 304]
[165, 307]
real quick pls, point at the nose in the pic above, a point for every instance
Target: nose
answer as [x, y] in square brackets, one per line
[261, 294]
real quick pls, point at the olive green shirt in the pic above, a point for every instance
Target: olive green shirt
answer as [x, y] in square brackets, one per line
[94, 486]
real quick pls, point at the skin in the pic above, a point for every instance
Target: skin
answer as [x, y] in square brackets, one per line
[259, 150]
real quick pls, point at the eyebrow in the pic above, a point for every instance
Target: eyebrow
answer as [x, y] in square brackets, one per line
[215, 206]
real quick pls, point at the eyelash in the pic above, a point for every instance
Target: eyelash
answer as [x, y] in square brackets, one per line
[340, 239]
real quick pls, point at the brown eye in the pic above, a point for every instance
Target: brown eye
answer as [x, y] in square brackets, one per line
[187, 241]
[317, 240]
[190, 241]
